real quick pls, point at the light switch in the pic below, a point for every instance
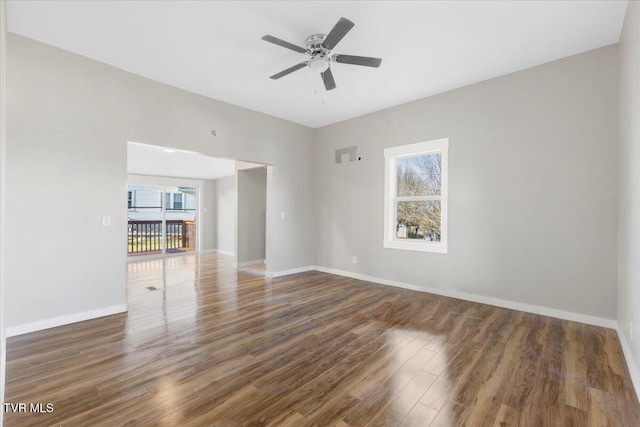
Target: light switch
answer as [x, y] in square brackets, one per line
[281, 215]
[106, 221]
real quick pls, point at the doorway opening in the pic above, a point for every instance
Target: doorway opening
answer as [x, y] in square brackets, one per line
[184, 202]
[251, 212]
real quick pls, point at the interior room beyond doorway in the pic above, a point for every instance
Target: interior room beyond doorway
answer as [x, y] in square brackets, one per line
[183, 202]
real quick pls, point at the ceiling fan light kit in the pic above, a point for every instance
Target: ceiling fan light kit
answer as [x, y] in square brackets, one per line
[319, 65]
[319, 47]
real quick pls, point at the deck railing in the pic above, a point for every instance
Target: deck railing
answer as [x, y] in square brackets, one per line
[145, 237]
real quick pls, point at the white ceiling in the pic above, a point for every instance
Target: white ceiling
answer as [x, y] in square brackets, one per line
[144, 159]
[214, 48]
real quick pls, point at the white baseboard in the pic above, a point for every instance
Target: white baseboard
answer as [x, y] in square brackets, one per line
[53, 322]
[631, 365]
[535, 309]
[288, 272]
[217, 251]
[245, 263]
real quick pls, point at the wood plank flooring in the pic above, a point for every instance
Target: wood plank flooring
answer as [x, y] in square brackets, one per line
[257, 269]
[213, 346]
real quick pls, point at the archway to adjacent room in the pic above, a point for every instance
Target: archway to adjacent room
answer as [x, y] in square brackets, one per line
[183, 202]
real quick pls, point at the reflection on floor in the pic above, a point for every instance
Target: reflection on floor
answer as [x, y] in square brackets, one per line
[212, 345]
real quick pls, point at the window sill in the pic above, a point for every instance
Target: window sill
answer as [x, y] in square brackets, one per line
[416, 246]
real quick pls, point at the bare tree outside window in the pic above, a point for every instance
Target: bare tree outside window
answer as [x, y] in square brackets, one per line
[418, 212]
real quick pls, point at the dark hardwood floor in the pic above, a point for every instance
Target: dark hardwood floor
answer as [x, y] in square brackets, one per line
[213, 346]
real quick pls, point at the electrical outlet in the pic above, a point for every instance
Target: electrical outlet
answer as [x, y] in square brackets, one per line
[354, 259]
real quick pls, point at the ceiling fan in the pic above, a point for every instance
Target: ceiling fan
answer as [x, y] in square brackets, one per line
[319, 47]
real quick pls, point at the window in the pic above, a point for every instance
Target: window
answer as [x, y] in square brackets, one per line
[174, 201]
[416, 190]
[177, 201]
[130, 200]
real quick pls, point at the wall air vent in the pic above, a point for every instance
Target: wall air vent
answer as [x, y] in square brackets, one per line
[352, 151]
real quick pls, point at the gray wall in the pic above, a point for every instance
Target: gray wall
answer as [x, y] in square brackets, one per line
[3, 127]
[252, 205]
[208, 215]
[532, 179]
[226, 214]
[629, 114]
[69, 122]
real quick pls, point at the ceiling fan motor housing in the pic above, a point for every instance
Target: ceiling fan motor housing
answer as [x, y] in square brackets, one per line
[314, 43]
[319, 61]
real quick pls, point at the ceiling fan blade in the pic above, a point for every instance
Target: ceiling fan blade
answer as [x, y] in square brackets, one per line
[337, 33]
[327, 78]
[358, 60]
[289, 70]
[283, 43]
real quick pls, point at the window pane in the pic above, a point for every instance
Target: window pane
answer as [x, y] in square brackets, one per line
[419, 175]
[145, 220]
[181, 219]
[418, 220]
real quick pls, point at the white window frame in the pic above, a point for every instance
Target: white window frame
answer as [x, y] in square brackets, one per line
[391, 155]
